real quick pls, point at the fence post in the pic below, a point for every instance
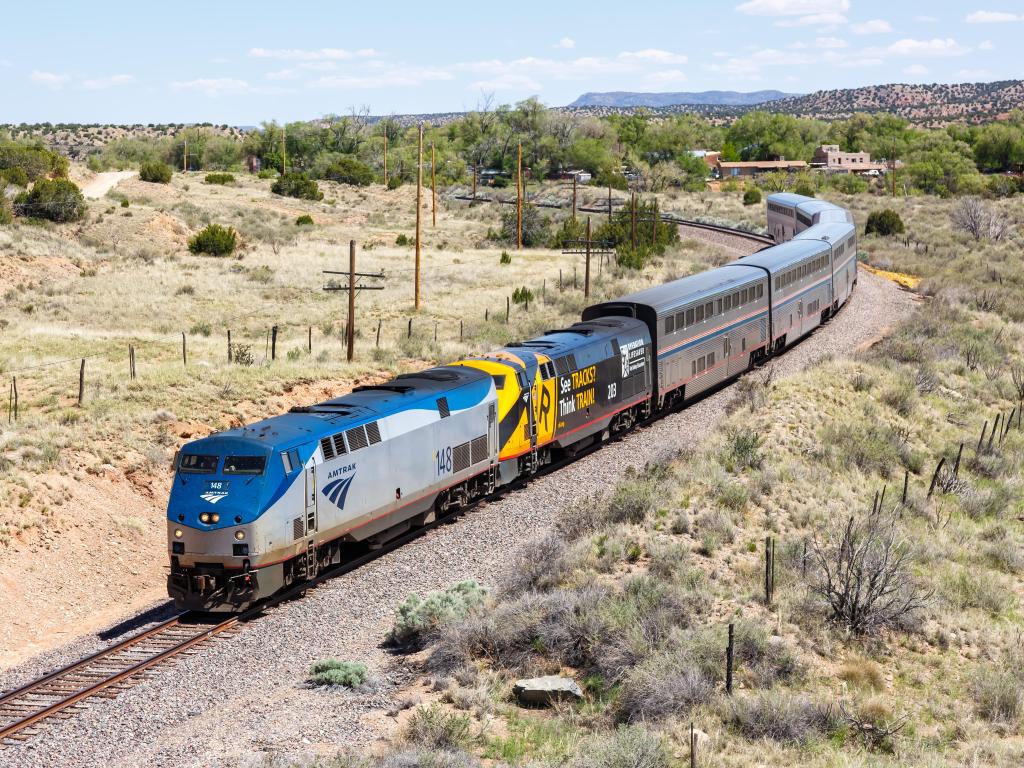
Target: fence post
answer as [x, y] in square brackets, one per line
[728, 662]
[527, 299]
[408, 333]
[995, 429]
[184, 350]
[693, 747]
[544, 290]
[959, 455]
[935, 477]
[435, 331]
[767, 570]
[574, 277]
[508, 308]
[460, 330]
[81, 383]
[229, 345]
[559, 280]
[906, 479]
[309, 342]
[981, 440]
[14, 385]
[487, 314]
[379, 321]
[273, 343]
[11, 410]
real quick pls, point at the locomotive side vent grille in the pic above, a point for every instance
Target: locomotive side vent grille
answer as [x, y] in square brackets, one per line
[327, 448]
[442, 407]
[373, 432]
[478, 447]
[339, 444]
[298, 528]
[356, 438]
[460, 457]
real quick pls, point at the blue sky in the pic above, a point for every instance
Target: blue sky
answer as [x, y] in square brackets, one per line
[240, 63]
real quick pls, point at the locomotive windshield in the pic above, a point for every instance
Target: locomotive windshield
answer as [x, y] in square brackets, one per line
[245, 465]
[197, 463]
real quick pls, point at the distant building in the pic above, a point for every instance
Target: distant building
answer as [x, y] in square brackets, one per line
[829, 158]
[709, 156]
[582, 177]
[252, 164]
[727, 170]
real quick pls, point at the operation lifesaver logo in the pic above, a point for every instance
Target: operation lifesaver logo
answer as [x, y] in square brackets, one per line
[576, 391]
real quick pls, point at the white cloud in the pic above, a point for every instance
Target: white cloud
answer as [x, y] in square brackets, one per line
[873, 27]
[666, 77]
[653, 54]
[935, 47]
[507, 82]
[986, 45]
[50, 79]
[566, 43]
[300, 54]
[102, 83]
[825, 21]
[830, 43]
[993, 17]
[213, 86]
[974, 74]
[283, 74]
[916, 70]
[792, 7]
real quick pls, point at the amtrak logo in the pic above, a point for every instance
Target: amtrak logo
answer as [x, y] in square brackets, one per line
[213, 496]
[337, 490]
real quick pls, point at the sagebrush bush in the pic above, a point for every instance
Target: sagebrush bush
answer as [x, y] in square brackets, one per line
[436, 728]
[418, 618]
[350, 674]
[540, 564]
[6, 212]
[662, 686]
[885, 222]
[628, 747]
[998, 689]
[156, 173]
[752, 196]
[780, 716]
[219, 178]
[57, 200]
[214, 240]
[862, 673]
[304, 220]
[297, 185]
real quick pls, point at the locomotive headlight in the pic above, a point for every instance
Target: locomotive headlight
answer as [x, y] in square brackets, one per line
[239, 535]
[215, 518]
[204, 517]
[178, 533]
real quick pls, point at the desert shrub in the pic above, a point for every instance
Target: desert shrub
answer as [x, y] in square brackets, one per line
[6, 213]
[241, 354]
[628, 747]
[979, 219]
[214, 240]
[569, 233]
[742, 449]
[849, 183]
[417, 618]
[522, 295]
[714, 528]
[347, 170]
[760, 660]
[304, 220]
[219, 178]
[862, 673]
[267, 173]
[404, 240]
[297, 185]
[637, 495]
[804, 187]
[662, 686]
[901, 397]
[780, 716]
[885, 222]
[540, 564]
[125, 203]
[976, 589]
[1005, 554]
[998, 689]
[53, 199]
[505, 258]
[33, 160]
[863, 573]
[16, 176]
[535, 226]
[436, 728]
[752, 196]
[350, 674]
[156, 173]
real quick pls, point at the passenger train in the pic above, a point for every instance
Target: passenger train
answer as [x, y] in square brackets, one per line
[255, 509]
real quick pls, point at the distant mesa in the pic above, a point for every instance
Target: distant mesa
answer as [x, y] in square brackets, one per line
[621, 99]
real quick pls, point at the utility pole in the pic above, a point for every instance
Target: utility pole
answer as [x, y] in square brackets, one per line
[632, 220]
[519, 199]
[654, 225]
[284, 149]
[351, 300]
[586, 274]
[609, 203]
[574, 176]
[385, 156]
[433, 188]
[184, 160]
[419, 204]
[894, 168]
[475, 170]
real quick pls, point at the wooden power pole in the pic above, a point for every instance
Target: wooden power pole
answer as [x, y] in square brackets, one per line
[574, 176]
[419, 204]
[385, 157]
[184, 160]
[351, 300]
[284, 150]
[433, 188]
[586, 274]
[519, 198]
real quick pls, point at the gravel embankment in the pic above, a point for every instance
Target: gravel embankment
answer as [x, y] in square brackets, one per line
[241, 698]
[737, 245]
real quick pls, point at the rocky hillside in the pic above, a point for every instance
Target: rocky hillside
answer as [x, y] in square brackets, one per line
[934, 105]
[720, 98]
[77, 140]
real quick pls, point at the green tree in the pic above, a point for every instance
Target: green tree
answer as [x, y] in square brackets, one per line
[885, 222]
[297, 185]
[939, 165]
[156, 173]
[54, 199]
[347, 170]
[214, 240]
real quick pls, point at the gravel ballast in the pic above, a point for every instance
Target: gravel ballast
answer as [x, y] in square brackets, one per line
[240, 698]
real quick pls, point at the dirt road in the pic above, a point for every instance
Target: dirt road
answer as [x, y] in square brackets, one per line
[102, 183]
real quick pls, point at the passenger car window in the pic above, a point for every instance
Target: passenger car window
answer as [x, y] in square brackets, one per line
[197, 463]
[244, 465]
